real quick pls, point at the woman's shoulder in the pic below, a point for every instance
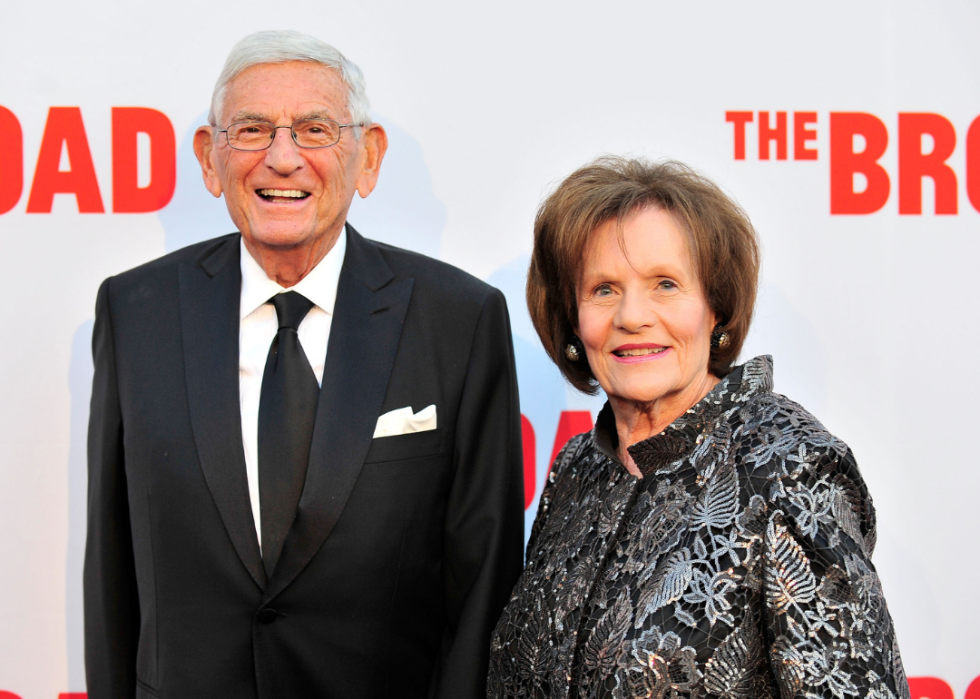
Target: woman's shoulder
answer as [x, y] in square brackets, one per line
[773, 409]
[804, 467]
[759, 417]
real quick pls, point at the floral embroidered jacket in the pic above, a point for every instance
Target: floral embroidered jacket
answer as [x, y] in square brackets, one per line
[739, 566]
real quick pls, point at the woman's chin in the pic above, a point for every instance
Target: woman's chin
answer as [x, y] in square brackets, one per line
[644, 393]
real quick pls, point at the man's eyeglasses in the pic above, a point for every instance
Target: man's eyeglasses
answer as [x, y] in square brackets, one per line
[307, 133]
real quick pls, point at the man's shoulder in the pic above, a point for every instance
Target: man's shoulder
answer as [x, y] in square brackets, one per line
[164, 268]
[434, 277]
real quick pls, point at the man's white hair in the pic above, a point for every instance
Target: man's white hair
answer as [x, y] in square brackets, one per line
[283, 46]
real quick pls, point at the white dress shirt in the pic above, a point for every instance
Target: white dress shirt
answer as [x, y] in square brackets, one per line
[259, 326]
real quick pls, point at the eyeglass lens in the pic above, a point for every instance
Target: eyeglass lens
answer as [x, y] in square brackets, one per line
[308, 133]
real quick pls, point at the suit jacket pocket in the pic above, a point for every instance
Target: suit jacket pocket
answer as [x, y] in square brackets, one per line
[407, 446]
[145, 691]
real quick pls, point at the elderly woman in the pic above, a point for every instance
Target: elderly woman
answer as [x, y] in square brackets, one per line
[708, 537]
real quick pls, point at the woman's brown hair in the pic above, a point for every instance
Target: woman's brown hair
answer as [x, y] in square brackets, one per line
[723, 244]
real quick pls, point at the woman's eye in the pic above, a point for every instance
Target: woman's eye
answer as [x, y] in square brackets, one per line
[603, 290]
[667, 284]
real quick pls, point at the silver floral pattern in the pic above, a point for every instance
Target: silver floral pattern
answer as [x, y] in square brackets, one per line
[739, 566]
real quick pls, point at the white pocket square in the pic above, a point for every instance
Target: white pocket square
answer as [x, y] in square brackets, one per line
[403, 421]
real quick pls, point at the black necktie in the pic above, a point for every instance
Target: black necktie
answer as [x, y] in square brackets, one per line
[287, 411]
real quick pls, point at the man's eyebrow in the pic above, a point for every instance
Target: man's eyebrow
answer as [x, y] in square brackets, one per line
[314, 115]
[255, 116]
[248, 116]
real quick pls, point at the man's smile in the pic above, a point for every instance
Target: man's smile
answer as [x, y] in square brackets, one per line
[282, 194]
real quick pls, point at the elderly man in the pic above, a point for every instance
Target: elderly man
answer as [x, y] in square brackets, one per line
[304, 449]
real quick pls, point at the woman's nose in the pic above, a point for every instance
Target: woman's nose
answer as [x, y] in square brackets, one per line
[635, 313]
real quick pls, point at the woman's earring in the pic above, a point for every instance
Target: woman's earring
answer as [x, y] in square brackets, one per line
[720, 340]
[571, 351]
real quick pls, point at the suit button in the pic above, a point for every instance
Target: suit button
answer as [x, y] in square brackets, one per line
[267, 616]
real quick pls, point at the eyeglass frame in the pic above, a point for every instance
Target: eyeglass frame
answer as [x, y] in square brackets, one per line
[275, 128]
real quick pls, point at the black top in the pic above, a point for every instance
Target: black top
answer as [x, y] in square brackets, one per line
[738, 566]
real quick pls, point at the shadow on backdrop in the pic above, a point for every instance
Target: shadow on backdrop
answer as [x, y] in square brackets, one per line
[543, 390]
[403, 209]
[80, 389]
[780, 330]
[193, 214]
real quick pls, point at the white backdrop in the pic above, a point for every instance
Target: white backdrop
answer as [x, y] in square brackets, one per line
[871, 318]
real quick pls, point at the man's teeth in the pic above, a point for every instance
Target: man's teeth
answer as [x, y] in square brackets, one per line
[639, 352]
[293, 193]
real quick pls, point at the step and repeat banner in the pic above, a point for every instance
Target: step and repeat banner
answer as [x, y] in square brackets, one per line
[850, 132]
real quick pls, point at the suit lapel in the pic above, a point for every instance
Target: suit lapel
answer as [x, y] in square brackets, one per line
[364, 336]
[210, 296]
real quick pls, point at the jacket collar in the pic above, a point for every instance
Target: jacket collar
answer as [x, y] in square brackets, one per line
[209, 301]
[689, 430]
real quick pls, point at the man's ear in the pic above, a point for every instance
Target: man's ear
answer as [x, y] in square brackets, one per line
[204, 150]
[374, 144]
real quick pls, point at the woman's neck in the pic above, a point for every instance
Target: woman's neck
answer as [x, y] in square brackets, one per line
[636, 420]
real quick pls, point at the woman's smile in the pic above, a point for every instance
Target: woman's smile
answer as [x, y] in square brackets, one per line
[629, 354]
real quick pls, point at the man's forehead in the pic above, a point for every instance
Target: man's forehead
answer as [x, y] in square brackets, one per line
[300, 90]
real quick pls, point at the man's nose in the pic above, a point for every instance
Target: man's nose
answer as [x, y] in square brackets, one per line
[283, 155]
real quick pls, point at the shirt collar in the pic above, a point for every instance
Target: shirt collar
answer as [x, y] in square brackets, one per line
[319, 286]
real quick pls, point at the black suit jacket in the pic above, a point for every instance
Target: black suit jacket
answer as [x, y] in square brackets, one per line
[404, 549]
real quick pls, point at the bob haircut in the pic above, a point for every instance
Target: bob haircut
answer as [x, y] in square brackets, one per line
[723, 244]
[284, 46]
